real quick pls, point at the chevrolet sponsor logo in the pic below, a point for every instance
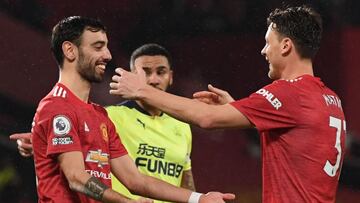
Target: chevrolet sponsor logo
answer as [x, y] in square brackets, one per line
[97, 157]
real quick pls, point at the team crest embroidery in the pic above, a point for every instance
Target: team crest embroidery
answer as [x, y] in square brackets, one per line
[103, 129]
[61, 125]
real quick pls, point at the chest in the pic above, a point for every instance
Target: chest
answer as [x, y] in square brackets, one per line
[155, 138]
[93, 130]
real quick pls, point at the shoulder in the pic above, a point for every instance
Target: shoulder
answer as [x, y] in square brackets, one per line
[123, 105]
[280, 88]
[277, 95]
[122, 111]
[54, 104]
[100, 109]
[126, 106]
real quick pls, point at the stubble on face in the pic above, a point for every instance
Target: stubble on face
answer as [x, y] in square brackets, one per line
[87, 69]
[93, 56]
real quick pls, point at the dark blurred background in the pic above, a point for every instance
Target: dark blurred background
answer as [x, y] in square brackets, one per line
[212, 41]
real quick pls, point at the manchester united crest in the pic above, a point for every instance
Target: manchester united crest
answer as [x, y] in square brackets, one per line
[104, 132]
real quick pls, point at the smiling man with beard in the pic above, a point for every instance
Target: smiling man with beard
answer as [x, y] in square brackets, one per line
[75, 144]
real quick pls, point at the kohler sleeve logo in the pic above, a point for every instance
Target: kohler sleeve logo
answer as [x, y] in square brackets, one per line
[275, 102]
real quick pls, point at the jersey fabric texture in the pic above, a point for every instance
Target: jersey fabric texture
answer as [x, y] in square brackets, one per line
[159, 145]
[302, 129]
[64, 123]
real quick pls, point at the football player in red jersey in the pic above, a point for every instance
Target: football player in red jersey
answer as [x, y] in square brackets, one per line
[300, 121]
[75, 144]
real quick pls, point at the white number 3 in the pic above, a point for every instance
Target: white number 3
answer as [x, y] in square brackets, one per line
[329, 168]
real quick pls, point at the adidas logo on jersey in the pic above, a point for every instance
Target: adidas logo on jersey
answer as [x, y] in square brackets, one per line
[59, 92]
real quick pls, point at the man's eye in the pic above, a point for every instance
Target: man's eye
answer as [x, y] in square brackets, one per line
[161, 72]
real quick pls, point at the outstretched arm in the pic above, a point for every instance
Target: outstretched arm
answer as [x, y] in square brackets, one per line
[133, 86]
[125, 170]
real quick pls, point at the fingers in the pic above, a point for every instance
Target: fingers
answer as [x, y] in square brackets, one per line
[205, 94]
[120, 71]
[116, 78]
[26, 144]
[25, 153]
[228, 196]
[114, 85]
[216, 90]
[206, 97]
[202, 94]
[25, 150]
[25, 136]
[23, 141]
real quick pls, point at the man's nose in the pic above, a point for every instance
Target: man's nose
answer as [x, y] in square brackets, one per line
[263, 52]
[107, 55]
[153, 79]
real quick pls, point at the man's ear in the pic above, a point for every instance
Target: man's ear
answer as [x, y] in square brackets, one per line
[70, 51]
[171, 75]
[286, 45]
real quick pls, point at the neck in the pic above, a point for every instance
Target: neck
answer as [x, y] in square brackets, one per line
[72, 80]
[150, 109]
[296, 68]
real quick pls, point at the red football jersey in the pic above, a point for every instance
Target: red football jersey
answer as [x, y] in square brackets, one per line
[64, 123]
[302, 129]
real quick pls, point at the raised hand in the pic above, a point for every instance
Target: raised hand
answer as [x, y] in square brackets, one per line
[127, 84]
[216, 197]
[23, 141]
[214, 96]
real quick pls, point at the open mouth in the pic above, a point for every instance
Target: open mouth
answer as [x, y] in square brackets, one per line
[101, 67]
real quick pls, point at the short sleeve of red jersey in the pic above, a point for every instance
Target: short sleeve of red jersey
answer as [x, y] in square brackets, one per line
[271, 107]
[116, 148]
[61, 128]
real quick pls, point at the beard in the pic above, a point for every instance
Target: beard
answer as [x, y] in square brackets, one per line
[87, 70]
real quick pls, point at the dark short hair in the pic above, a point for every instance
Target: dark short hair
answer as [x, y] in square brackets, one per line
[150, 50]
[71, 29]
[303, 25]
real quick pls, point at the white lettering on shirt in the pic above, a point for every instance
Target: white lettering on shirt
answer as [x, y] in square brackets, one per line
[275, 102]
[99, 174]
[332, 100]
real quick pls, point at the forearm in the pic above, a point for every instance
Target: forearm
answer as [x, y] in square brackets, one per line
[156, 189]
[72, 165]
[187, 180]
[185, 109]
[97, 190]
